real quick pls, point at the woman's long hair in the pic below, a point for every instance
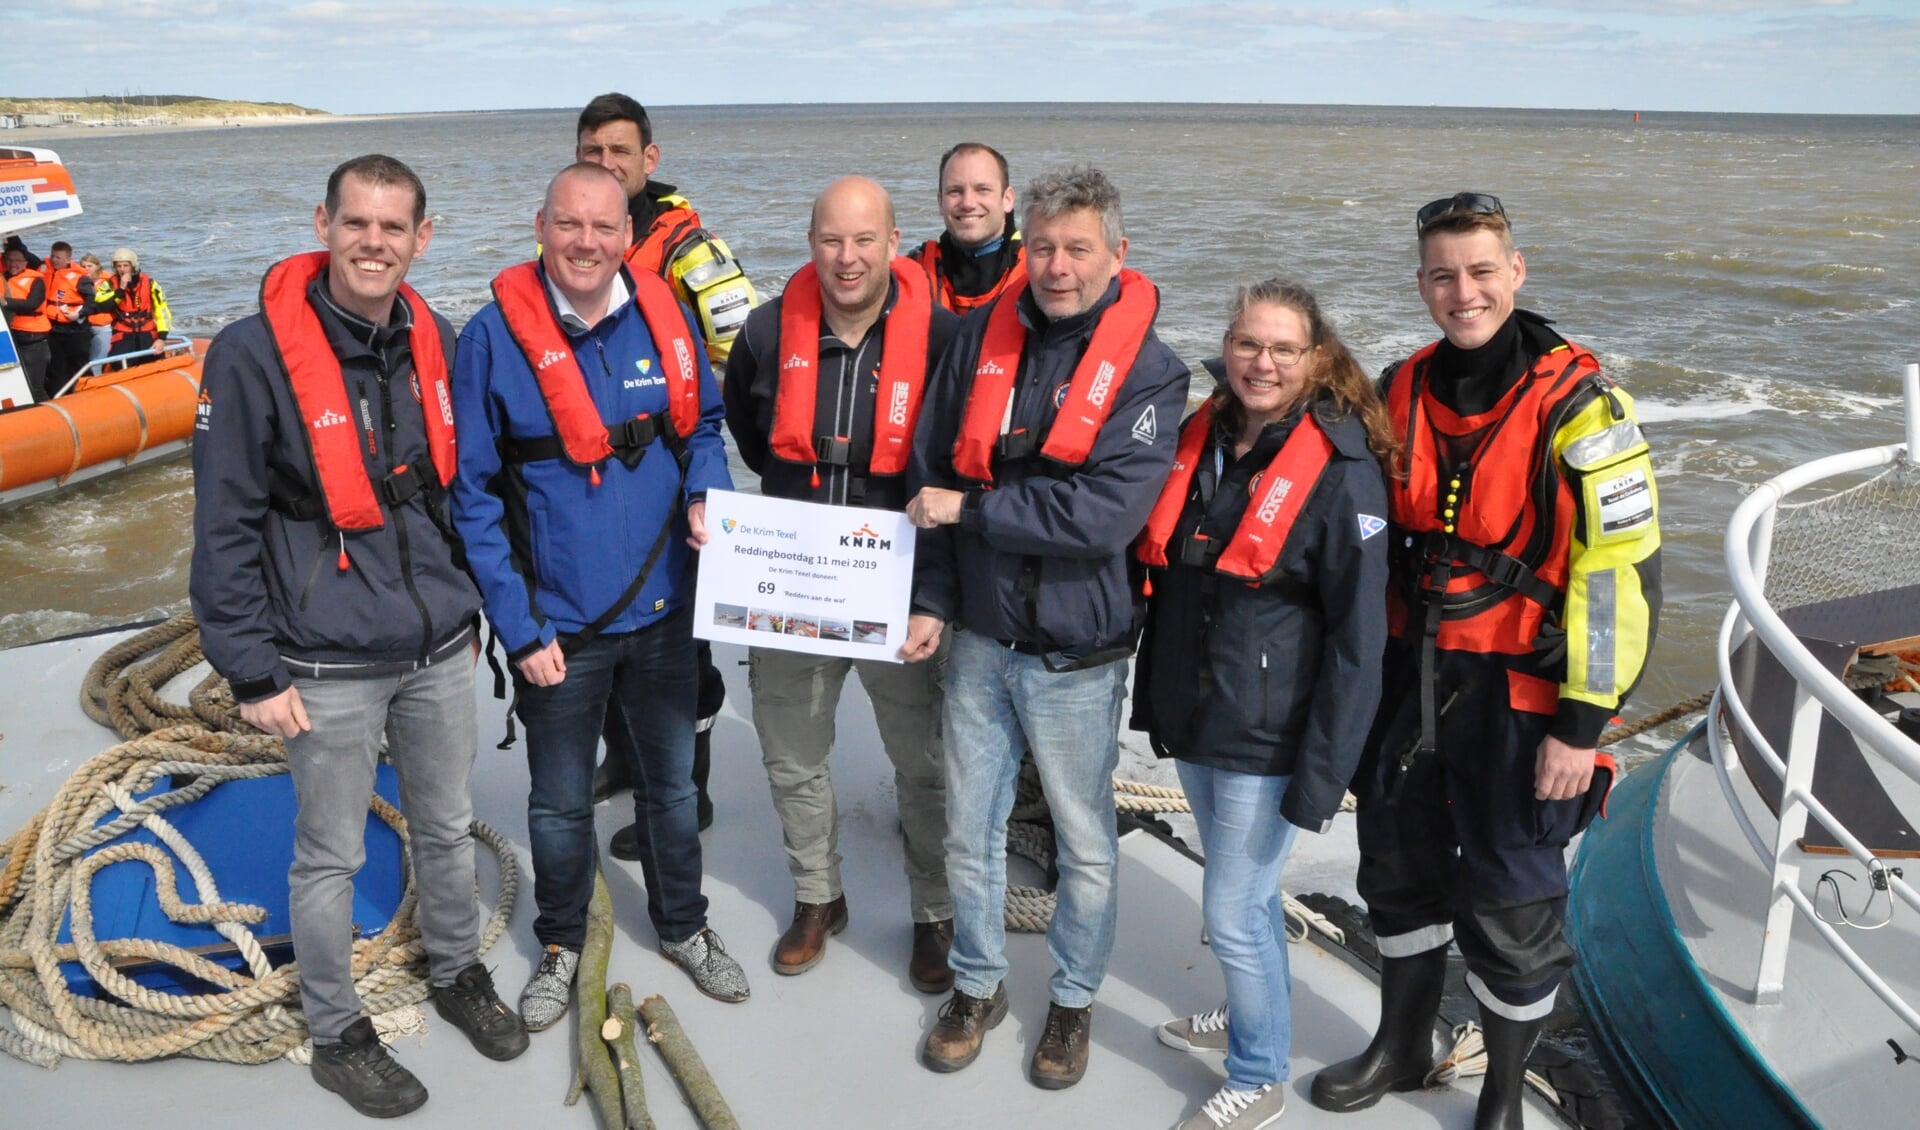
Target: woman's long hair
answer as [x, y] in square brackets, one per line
[1333, 377]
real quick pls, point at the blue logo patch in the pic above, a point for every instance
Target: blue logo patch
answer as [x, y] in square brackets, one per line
[1060, 394]
[1369, 526]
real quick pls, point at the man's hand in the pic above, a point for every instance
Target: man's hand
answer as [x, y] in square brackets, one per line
[546, 667]
[934, 506]
[923, 636]
[283, 715]
[1561, 771]
[697, 524]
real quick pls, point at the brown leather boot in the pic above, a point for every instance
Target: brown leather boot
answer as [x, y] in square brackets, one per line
[958, 1034]
[928, 969]
[1060, 1058]
[805, 942]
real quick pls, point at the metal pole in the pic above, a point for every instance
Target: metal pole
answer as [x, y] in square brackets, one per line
[1910, 387]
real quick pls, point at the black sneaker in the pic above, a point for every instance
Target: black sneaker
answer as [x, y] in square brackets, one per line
[471, 1005]
[360, 1070]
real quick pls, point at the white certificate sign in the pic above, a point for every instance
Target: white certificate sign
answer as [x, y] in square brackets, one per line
[801, 576]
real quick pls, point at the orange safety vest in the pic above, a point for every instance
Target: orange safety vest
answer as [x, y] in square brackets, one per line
[1091, 393]
[320, 391]
[963, 304]
[1282, 490]
[903, 371]
[584, 440]
[112, 281]
[19, 289]
[1508, 498]
[63, 289]
[649, 255]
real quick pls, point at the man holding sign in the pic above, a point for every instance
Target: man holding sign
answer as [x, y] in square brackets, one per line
[823, 392]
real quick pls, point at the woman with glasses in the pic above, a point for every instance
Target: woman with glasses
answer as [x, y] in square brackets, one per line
[1260, 668]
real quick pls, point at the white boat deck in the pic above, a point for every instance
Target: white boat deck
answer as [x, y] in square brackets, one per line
[834, 1047]
[1827, 1038]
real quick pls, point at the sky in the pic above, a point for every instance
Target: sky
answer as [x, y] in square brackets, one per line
[1769, 56]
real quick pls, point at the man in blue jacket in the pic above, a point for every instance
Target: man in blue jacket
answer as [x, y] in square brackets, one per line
[327, 582]
[591, 428]
[1048, 430]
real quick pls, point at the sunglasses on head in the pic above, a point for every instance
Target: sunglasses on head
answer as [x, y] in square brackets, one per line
[1459, 204]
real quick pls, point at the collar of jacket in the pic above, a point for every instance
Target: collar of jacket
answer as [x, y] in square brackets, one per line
[1048, 329]
[352, 336]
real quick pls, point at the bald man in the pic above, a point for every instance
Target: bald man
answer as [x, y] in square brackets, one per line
[590, 429]
[823, 391]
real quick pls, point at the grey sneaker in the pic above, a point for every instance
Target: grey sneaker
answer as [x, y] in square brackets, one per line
[1201, 1034]
[705, 960]
[544, 1001]
[1229, 1109]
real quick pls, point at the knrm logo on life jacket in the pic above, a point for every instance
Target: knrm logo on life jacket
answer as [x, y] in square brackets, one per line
[1102, 382]
[794, 362]
[865, 538]
[550, 357]
[328, 419]
[897, 404]
[1276, 494]
[988, 369]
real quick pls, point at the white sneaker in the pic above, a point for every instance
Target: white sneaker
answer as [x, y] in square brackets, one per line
[544, 1001]
[1201, 1034]
[1229, 1109]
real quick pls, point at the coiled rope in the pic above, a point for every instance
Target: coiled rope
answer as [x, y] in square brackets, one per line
[46, 876]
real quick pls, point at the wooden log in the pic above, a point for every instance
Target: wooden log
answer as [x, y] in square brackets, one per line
[618, 1032]
[664, 1032]
[596, 1072]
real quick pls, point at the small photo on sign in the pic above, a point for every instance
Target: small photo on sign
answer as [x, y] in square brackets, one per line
[838, 630]
[869, 631]
[803, 626]
[760, 620]
[730, 615]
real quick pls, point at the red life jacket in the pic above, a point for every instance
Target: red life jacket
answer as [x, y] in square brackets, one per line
[320, 391]
[903, 371]
[134, 314]
[1507, 497]
[1282, 490]
[649, 254]
[522, 295]
[964, 304]
[1090, 394]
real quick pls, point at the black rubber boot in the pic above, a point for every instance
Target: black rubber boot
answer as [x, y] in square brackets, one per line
[1509, 1042]
[1401, 1053]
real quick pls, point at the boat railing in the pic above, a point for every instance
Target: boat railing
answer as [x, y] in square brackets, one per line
[1818, 693]
[165, 347]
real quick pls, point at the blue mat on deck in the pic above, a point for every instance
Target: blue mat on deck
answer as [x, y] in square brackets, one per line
[244, 830]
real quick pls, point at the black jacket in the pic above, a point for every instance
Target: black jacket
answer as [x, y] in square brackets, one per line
[849, 379]
[1281, 678]
[1066, 530]
[266, 588]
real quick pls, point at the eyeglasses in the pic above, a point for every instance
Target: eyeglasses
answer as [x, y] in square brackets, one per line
[1284, 356]
[1459, 204]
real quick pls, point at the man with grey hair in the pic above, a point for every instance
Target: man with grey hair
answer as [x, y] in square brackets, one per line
[1037, 460]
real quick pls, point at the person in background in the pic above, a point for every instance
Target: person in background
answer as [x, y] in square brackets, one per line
[100, 306]
[668, 240]
[1260, 666]
[1524, 597]
[25, 302]
[823, 391]
[140, 314]
[980, 253]
[69, 293]
[329, 589]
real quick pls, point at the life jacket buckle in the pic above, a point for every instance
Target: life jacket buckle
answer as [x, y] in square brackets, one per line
[836, 451]
[1017, 445]
[1200, 551]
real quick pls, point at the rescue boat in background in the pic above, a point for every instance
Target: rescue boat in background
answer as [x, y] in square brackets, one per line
[114, 414]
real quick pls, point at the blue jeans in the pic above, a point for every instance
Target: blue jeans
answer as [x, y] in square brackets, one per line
[651, 677]
[1246, 841]
[1001, 704]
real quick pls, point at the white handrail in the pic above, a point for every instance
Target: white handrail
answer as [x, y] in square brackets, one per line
[1748, 546]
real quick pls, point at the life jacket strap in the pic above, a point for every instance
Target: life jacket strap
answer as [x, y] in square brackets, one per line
[628, 438]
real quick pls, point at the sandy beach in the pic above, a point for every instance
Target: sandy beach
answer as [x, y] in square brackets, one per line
[42, 136]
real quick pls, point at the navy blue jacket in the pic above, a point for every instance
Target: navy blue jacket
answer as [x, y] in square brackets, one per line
[1283, 677]
[266, 588]
[551, 551]
[1066, 528]
[849, 380]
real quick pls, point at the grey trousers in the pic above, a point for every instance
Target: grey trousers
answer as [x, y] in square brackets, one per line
[794, 700]
[427, 717]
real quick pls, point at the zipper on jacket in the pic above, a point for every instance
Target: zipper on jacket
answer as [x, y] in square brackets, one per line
[400, 524]
[306, 589]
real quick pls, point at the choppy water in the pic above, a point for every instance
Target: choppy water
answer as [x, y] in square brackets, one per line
[1752, 279]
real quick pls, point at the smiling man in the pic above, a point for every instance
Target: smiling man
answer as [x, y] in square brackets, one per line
[591, 429]
[823, 390]
[326, 581]
[1524, 594]
[1048, 431]
[980, 253]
